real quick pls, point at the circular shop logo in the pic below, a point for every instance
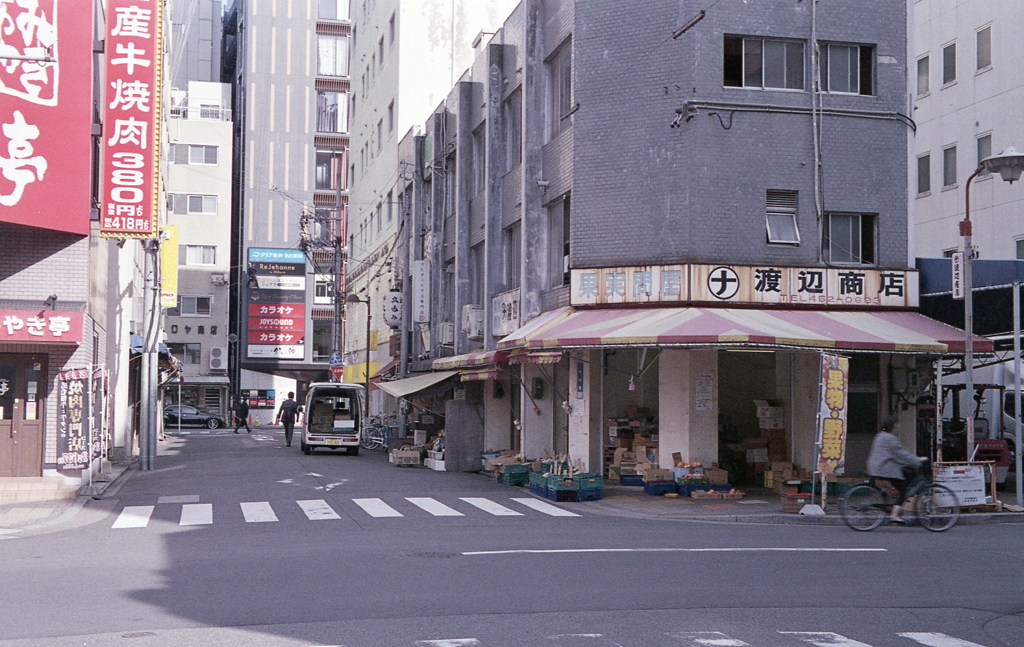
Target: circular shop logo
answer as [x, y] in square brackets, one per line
[723, 283]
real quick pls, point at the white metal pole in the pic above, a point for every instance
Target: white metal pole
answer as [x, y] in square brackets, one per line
[938, 412]
[1016, 393]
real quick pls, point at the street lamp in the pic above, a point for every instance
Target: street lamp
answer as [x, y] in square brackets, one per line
[1009, 164]
[351, 298]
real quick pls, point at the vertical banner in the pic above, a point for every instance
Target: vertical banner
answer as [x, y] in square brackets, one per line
[835, 376]
[276, 311]
[45, 113]
[169, 267]
[131, 119]
[72, 424]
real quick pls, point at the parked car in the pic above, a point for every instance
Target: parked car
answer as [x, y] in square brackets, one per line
[190, 416]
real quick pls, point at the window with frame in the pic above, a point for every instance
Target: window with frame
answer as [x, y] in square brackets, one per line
[377, 216]
[479, 159]
[763, 63]
[193, 154]
[187, 353]
[848, 69]
[1019, 248]
[322, 290]
[391, 117]
[328, 169]
[323, 340]
[194, 306]
[849, 238]
[983, 40]
[380, 134]
[331, 112]
[513, 110]
[559, 217]
[332, 55]
[560, 75]
[780, 217]
[948, 167]
[923, 70]
[184, 204]
[380, 52]
[334, 9]
[389, 206]
[924, 174]
[513, 246]
[197, 254]
[949, 64]
[984, 150]
[391, 30]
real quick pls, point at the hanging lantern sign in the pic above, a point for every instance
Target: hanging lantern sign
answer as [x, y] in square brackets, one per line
[393, 309]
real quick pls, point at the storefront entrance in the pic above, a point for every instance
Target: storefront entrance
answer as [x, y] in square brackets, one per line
[22, 393]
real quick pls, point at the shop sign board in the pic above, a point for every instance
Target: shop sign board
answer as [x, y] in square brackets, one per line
[169, 266]
[747, 285]
[832, 413]
[80, 397]
[421, 291]
[276, 311]
[131, 119]
[505, 313]
[393, 309]
[41, 326]
[958, 275]
[45, 114]
[966, 481]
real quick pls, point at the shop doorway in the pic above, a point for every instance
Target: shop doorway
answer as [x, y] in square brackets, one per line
[22, 393]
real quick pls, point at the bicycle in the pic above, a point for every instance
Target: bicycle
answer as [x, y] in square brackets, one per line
[866, 505]
[375, 434]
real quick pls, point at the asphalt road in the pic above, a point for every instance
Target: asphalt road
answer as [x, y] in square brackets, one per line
[281, 549]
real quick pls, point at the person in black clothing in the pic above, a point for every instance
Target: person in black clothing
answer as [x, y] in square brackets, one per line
[286, 416]
[242, 415]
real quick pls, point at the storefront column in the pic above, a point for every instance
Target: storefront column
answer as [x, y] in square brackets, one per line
[797, 377]
[497, 411]
[537, 414]
[583, 398]
[688, 406]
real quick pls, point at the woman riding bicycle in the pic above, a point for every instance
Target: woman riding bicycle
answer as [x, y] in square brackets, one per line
[890, 461]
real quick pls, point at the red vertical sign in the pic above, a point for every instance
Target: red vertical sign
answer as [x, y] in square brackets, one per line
[45, 113]
[131, 122]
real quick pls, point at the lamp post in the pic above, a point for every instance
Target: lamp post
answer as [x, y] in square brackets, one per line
[1009, 164]
[351, 298]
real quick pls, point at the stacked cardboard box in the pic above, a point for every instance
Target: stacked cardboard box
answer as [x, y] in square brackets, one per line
[771, 445]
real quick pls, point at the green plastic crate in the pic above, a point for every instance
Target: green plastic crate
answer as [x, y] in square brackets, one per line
[517, 468]
[561, 483]
[588, 481]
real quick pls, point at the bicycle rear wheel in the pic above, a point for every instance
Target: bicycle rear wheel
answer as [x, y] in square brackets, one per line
[862, 507]
[937, 508]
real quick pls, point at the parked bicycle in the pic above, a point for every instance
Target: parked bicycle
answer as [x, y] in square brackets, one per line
[866, 505]
[375, 434]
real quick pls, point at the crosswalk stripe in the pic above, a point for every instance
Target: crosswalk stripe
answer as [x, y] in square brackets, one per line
[258, 512]
[134, 516]
[184, 498]
[824, 639]
[709, 639]
[453, 642]
[938, 640]
[196, 514]
[490, 507]
[546, 508]
[318, 510]
[434, 507]
[377, 508]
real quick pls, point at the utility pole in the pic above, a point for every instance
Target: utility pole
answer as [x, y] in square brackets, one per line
[149, 383]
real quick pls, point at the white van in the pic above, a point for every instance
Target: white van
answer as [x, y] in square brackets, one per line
[333, 417]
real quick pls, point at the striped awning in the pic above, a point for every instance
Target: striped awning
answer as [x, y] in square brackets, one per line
[866, 331]
[479, 374]
[481, 358]
[527, 356]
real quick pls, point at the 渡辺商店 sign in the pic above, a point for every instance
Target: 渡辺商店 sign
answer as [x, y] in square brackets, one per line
[131, 123]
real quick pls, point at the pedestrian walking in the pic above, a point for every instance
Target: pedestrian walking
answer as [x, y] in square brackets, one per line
[242, 415]
[286, 416]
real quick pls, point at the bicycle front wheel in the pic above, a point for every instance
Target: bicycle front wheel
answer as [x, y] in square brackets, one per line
[937, 508]
[862, 507]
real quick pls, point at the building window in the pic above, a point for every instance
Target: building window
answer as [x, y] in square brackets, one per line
[377, 216]
[924, 174]
[984, 150]
[984, 41]
[193, 154]
[847, 68]
[187, 353]
[197, 254]
[949, 167]
[194, 306]
[328, 169]
[380, 52]
[477, 285]
[192, 205]
[391, 117]
[334, 9]
[763, 63]
[923, 68]
[949, 64]
[513, 250]
[322, 290]
[380, 134]
[389, 206]
[558, 242]
[332, 55]
[560, 74]
[323, 340]
[514, 130]
[331, 112]
[849, 238]
[391, 30]
[781, 217]
[1019, 248]
[479, 159]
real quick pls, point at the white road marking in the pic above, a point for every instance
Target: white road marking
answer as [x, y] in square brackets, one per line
[329, 486]
[258, 512]
[318, 510]
[546, 508]
[824, 639]
[679, 550]
[434, 507]
[377, 508]
[938, 640]
[134, 516]
[709, 639]
[456, 642]
[490, 507]
[286, 481]
[196, 514]
[184, 498]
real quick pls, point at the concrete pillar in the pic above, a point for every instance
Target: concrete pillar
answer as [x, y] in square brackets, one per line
[688, 405]
[495, 133]
[463, 193]
[797, 389]
[585, 440]
[535, 230]
[538, 415]
[497, 416]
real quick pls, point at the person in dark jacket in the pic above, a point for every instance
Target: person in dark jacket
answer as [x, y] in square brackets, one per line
[890, 461]
[286, 416]
[242, 415]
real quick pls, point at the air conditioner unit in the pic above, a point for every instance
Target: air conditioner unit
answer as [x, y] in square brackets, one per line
[469, 315]
[476, 326]
[218, 359]
[219, 279]
[446, 334]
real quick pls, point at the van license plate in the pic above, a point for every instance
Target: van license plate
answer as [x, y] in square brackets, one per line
[332, 441]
